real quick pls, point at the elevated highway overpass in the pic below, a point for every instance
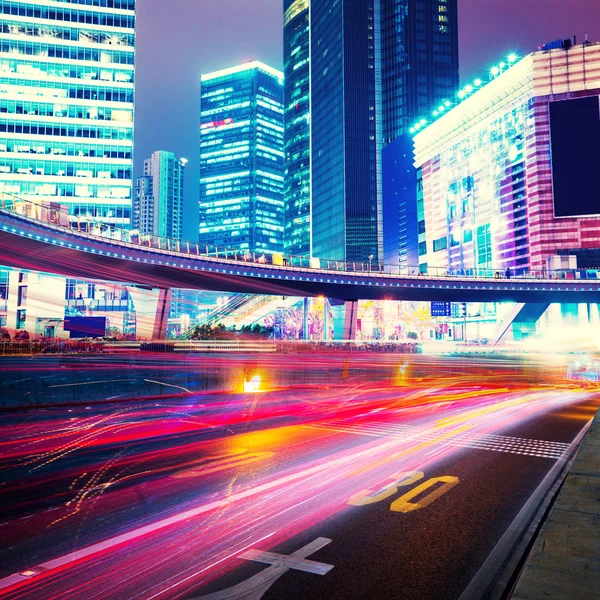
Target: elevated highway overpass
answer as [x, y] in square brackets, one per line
[152, 268]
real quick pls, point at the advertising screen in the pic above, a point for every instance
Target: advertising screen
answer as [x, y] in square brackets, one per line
[84, 327]
[575, 135]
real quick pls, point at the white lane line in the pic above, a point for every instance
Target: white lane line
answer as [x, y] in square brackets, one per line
[189, 514]
[169, 385]
[61, 385]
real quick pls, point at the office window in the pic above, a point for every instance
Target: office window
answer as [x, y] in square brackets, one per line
[484, 245]
[440, 244]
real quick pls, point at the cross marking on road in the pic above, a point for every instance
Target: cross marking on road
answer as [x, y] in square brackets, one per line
[255, 587]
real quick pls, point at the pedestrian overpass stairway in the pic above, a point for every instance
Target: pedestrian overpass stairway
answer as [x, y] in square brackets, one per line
[522, 317]
[251, 311]
[218, 314]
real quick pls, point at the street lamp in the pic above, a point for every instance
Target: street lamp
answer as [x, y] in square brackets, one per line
[370, 259]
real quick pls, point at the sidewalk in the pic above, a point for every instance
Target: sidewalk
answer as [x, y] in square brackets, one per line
[564, 563]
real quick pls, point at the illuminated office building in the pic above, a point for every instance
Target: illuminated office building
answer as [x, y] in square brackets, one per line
[509, 167]
[158, 203]
[419, 65]
[419, 60]
[66, 104]
[296, 44]
[241, 159]
[345, 90]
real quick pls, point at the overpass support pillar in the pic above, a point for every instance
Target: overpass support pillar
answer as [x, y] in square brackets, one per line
[305, 309]
[151, 312]
[350, 319]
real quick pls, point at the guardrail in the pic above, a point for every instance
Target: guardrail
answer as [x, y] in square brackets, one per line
[54, 216]
[16, 347]
[8, 348]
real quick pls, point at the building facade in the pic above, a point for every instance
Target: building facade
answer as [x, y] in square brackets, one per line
[419, 60]
[158, 202]
[296, 51]
[419, 72]
[508, 175]
[66, 104]
[241, 159]
[345, 88]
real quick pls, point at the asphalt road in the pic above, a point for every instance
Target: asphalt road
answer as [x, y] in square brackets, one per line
[358, 489]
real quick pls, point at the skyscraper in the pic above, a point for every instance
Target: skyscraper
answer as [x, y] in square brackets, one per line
[66, 104]
[296, 43]
[158, 204]
[241, 158]
[419, 72]
[419, 60]
[346, 130]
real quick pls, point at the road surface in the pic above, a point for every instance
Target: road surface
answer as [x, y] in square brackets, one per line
[357, 489]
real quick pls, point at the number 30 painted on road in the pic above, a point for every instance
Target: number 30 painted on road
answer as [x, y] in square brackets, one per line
[404, 504]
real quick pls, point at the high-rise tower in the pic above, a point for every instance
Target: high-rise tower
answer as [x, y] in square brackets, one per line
[296, 43]
[241, 158]
[346, 130]
[158, 204]
[419, 73]
[419, 60]
[66, 105]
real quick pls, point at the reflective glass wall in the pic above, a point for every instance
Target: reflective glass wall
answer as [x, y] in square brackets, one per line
[346, 130]
[296, 49]
[241, 159]
[66, 104]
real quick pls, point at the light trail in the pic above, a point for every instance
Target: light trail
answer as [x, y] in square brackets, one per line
[308, 469]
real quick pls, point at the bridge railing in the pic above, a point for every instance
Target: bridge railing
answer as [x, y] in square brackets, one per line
[57, 215]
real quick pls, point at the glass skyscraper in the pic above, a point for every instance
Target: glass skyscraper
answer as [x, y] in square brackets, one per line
[419, 60]
[158, 203]
[296, 42]
[66, 104]
[241, 158]
[345, 130]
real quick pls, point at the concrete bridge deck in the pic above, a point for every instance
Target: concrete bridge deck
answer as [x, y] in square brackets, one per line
[27, 243]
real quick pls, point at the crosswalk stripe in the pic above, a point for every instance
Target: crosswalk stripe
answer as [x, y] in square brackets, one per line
[494, 443]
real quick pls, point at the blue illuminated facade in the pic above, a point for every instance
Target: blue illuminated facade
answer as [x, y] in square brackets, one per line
[400, 223]
[66, 105]
[346, 130]
[419, 72]
[296, 51]
[419, 60]
[241, 159]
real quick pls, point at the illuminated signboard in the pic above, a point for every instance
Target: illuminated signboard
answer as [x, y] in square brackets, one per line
[441, 309]
[216, 123]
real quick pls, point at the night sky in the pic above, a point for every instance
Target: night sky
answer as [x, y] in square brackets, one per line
[177, 40]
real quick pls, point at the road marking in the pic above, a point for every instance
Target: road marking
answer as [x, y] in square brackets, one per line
[365, 497]
[255, 587]
[283, 560]
[494, 443]
[60, 385]
[404, 505]
[169, 385]
[194, 512]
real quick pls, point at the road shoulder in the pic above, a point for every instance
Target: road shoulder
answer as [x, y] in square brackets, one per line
[564, 563]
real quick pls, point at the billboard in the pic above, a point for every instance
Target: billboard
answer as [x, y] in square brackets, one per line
[574, 135]
[85, 327]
